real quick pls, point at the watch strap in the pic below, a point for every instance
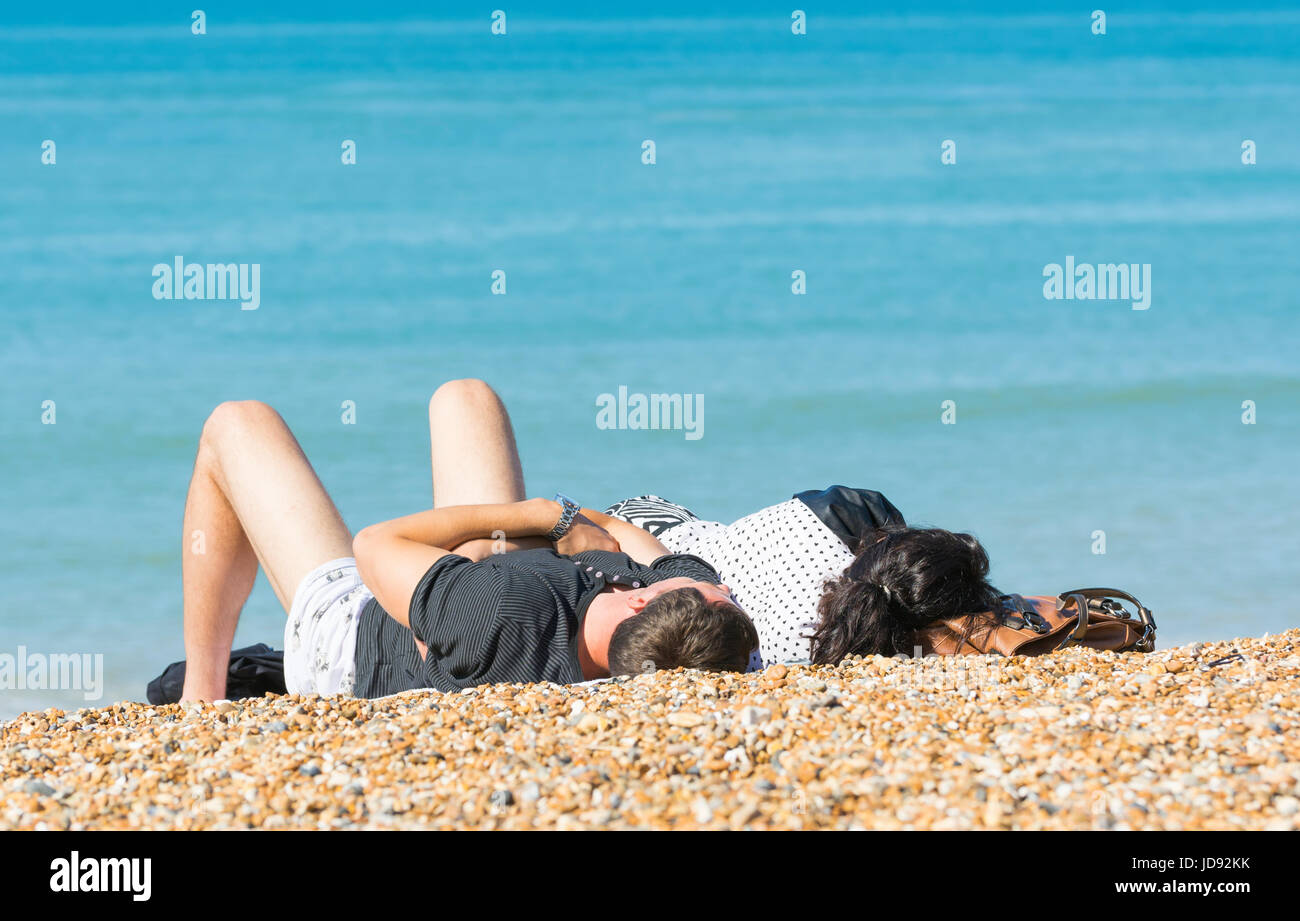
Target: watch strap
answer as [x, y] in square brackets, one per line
[567, 516]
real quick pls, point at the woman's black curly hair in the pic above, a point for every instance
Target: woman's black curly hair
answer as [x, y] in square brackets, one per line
[900, 581]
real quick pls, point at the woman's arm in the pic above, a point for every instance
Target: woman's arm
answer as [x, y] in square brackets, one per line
[640, 545]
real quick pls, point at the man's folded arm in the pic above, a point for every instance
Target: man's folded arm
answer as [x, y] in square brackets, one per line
[393, 556]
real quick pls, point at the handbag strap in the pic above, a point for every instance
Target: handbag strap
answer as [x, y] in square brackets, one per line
[1080, 598]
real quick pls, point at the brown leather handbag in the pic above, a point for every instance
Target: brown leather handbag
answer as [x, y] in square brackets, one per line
[1039, 624]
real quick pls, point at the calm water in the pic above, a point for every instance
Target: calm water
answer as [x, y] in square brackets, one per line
[775, 153]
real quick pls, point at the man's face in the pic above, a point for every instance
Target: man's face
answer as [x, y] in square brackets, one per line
[713, 594]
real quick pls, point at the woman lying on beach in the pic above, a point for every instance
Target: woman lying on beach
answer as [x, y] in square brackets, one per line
[837, 573]
[829, 574]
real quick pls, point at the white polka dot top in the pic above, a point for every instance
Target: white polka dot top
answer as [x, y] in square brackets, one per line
[776, 562]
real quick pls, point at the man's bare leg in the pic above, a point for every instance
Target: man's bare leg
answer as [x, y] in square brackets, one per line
[472, 447]
[253, 498]
[474, 456]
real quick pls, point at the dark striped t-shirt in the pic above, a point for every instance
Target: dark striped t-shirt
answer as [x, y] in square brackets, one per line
[513, 617]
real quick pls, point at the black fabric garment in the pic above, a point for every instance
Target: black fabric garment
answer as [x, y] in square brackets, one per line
[254, 672]
[852, 513]
[511, 618]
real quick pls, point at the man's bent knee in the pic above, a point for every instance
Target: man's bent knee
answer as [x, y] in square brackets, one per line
[464, 390]
[237, 416]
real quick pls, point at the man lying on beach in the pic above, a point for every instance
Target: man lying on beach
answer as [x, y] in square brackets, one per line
[426, 602]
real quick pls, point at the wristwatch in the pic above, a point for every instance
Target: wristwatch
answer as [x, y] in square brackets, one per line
[571, 510]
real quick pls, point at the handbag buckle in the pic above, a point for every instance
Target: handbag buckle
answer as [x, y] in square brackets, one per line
[1036, 622]
[1019, 614]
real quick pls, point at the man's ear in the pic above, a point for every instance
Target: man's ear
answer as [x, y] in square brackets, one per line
[637, 601]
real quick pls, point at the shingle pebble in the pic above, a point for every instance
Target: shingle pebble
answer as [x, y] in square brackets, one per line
[1199, 737]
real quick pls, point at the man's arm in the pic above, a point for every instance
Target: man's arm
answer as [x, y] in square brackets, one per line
[393, 556]
[640, 545]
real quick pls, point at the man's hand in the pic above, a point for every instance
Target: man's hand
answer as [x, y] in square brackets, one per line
[585, 534]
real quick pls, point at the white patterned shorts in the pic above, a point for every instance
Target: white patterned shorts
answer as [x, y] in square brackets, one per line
[320, 636]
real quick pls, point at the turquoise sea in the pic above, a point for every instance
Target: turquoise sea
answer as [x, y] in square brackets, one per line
[774, 153]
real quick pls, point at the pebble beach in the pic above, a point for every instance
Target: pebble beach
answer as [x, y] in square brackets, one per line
[1205, 736]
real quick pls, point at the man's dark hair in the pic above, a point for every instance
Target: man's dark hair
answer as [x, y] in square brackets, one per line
[680, 629]
[901, 581]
